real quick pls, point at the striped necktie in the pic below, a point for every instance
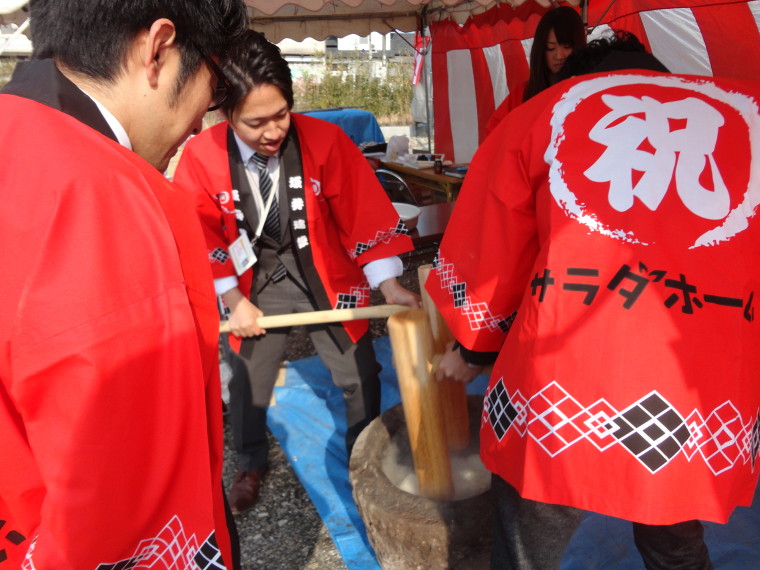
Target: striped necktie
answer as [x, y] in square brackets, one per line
[272, 223]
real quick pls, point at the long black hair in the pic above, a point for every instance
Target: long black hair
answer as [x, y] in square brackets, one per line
[568, 28]
[621, 50]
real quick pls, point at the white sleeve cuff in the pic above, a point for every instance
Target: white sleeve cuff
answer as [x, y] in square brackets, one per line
[221, 286]
[381, 269]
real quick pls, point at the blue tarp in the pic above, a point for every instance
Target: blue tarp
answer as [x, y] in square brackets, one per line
[308, 421]
[361, 126]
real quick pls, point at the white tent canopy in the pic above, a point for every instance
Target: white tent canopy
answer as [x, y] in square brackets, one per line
[300, 19]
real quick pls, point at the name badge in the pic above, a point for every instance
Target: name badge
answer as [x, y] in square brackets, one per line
[242, 254]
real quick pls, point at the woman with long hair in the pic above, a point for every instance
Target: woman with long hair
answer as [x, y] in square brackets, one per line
[559, 32]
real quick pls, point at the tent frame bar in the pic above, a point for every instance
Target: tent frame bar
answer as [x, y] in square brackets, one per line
[305, 18]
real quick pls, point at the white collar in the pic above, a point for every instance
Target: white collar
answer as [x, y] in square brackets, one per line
[121, 134]
[246, 152]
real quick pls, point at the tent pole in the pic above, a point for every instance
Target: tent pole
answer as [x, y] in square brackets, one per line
[607, 9]
[427, 106]
[423, 25]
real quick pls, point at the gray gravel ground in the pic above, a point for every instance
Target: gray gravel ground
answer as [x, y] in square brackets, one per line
[283, 530]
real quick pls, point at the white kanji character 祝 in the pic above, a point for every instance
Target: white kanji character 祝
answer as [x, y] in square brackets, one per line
[684, 152]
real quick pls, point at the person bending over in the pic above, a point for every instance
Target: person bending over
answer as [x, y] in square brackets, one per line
[316, 231]
[110, 415]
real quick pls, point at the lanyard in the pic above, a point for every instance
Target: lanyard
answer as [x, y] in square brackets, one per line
[266, 207]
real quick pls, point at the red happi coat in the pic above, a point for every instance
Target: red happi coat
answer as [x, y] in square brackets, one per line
[611, 223]
[346, 209]
[110, 410]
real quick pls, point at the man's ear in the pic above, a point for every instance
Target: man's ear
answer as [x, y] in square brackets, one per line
[155, 43]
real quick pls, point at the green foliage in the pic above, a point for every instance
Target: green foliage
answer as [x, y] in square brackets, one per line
[382, 87]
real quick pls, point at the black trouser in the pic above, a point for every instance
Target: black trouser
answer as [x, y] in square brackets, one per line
[529, 535]
[355, 371]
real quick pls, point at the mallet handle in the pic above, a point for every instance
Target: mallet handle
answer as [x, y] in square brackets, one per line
[321, 317]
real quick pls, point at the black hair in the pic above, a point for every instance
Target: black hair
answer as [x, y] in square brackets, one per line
[622, 50]
[568, 28]
[92, 36]
[255, 61]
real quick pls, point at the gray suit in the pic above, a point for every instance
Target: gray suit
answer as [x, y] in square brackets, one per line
[353, 366]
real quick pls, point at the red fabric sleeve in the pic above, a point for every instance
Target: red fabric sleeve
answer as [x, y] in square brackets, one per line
[359, 207]
[197, 176]
[491, 241]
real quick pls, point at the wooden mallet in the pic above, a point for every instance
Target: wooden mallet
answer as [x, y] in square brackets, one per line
[413, 351]
[435, 412]
[453, 395]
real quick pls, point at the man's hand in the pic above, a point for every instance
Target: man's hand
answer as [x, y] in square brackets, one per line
[243, 314]
[395, 294]
[453, 367]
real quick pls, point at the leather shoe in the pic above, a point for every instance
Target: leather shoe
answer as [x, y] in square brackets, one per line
[245, 490]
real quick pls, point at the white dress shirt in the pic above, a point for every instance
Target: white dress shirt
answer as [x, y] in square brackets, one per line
[375, 271]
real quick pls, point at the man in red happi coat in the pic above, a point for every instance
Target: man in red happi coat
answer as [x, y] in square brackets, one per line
[110, 412]
[295, 220]
[617, 212]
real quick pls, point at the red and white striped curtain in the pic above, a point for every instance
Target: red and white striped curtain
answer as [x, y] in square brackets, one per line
[476, 65]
